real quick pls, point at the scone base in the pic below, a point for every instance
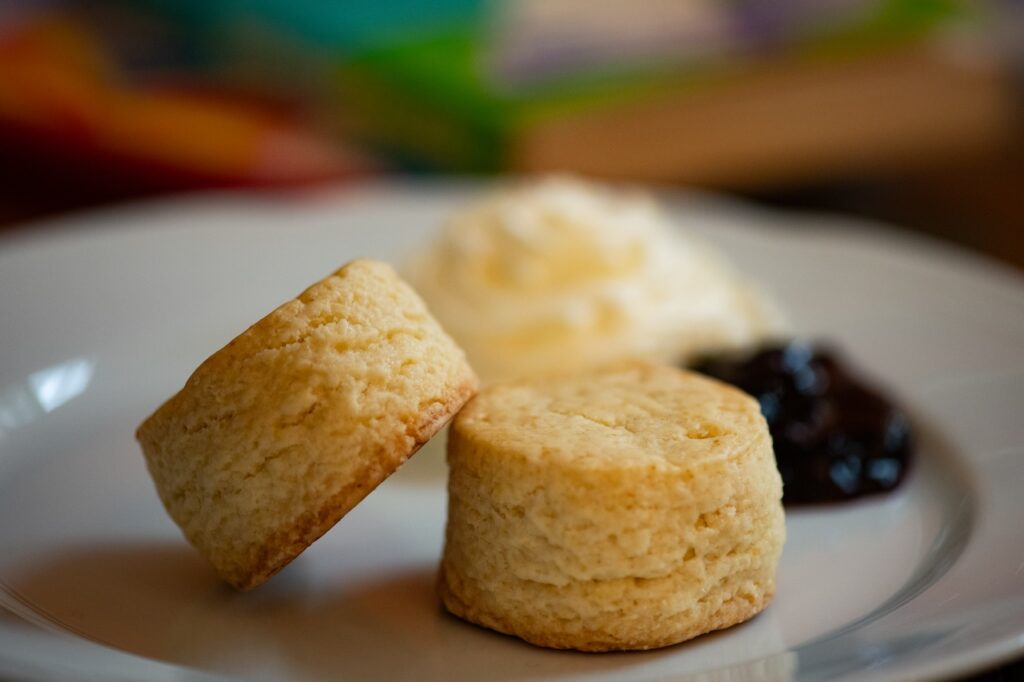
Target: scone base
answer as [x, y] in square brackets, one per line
[663, 633]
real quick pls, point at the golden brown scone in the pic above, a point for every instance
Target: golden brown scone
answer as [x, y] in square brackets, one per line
[630, 509]
[281, 432]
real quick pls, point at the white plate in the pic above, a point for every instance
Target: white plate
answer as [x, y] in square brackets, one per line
[106, 316]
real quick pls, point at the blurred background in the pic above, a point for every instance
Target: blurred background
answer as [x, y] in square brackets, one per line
[905, 110]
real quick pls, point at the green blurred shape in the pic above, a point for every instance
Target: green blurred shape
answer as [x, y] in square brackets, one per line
[434, 102]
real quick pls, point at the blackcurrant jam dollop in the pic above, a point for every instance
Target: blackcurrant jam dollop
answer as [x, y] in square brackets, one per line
[835, 437]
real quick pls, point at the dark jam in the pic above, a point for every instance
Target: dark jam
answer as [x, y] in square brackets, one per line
[835, 438]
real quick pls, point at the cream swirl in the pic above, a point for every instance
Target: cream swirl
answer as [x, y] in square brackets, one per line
[561, 275]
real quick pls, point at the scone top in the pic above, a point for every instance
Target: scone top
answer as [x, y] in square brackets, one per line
[636, 416]
[281, 432]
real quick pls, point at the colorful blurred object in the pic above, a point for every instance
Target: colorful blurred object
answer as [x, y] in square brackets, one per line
[756, 93]
[111, 98]
[739, 94]
[65, 105]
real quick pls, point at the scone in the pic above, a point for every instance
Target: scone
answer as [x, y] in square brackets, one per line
[281, 432]
[628, 509]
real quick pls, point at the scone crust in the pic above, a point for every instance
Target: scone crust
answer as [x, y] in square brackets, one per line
[629, 509]
[549, 634]
[279, 434]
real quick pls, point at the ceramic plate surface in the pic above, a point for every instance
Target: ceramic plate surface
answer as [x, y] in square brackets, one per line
[105, 315]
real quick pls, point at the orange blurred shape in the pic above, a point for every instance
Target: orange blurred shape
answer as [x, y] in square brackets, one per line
[62, 99]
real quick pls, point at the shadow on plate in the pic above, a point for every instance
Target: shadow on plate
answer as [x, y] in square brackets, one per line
[162, 601]
[427, 467]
